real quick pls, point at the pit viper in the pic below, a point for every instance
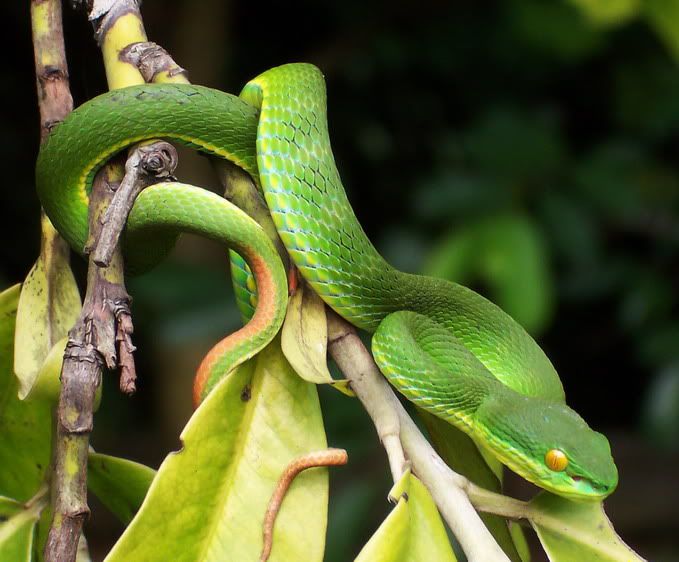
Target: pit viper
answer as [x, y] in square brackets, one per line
[443, 346]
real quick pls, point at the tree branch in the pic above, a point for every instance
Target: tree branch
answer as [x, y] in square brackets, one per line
[91, 345]
[55, 102]
[154, 63]
[54, 96]
[352, 361]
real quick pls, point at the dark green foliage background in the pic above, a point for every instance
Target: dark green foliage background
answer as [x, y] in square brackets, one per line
[444, 116]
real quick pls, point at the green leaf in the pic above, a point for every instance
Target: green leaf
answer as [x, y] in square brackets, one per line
[83, 554]
[208, 501]
[120, 484]
[511, 144]
[571, 530]
[609, 12]
[47, 384]
[18, 531]
[646, 100]
[42, 529]
[25, 427]
[16, 537]
[413, 531]
[8, 507]
[9, 300]
[304, 338]
[520, 541]
[611, 178]
[660, 413]
[663, 17]
[508, 254]
[555, 29]
[48, 308]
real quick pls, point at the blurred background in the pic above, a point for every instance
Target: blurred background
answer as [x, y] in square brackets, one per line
[525, 148]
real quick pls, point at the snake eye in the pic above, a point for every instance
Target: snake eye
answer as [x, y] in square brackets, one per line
[556, 460]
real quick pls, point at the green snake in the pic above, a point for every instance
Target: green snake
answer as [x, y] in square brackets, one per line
[446, 348]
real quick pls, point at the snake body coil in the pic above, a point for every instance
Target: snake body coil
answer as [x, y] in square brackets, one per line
[443, 346]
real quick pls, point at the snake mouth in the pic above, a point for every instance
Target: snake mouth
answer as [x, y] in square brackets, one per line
[586, 489]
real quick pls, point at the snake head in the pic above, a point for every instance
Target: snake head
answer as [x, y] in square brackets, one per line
[548, 444]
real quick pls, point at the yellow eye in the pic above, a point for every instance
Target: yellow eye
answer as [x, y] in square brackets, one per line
[556, 460]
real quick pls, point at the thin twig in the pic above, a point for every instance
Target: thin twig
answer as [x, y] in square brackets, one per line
[340, 340]
[54, 96]
[326, 457]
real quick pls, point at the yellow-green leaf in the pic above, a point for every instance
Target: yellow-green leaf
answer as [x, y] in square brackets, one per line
[577, 531]
[48, 307]
[16, 537]
[120, 484]
[207, 502]
[608, 12]
[520, 541]
[412, 532]
[83, 554]
[47, 384]
[663, 17]
[26, 428]
[508, 254]
[304, 338]
[8, 507]
[18, 531]
[9, 300]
